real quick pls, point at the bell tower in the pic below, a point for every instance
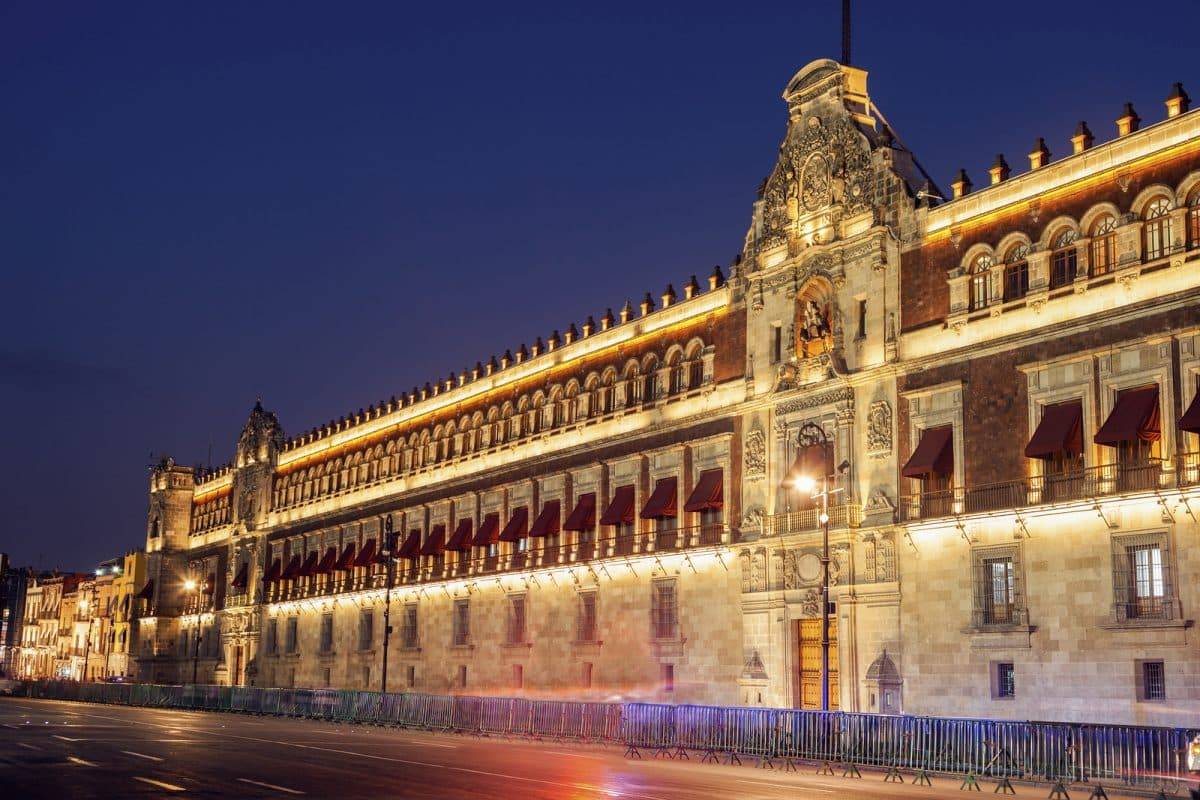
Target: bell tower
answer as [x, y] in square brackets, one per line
[257, 451]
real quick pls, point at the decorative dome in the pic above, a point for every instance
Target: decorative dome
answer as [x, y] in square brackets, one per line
[883, 670]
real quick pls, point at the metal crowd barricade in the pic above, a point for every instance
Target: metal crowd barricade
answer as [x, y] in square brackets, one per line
[647, 726]
[495, 716]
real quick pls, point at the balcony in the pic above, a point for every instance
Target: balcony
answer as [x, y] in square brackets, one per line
[844, 515]
[1106, 480]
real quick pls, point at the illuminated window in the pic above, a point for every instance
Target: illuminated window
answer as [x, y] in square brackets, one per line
[664, 611]
[1016, 273]
[1104, 245]
[980, 270]
[1063, 260]
[1193, 221]
[1158, 229]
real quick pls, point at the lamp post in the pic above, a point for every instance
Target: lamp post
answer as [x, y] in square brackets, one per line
[386, 553]
[191, 586]
[813, 436]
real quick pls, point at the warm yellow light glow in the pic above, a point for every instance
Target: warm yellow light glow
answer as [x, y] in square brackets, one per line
[83, 604]
[189, 585]
[804, 483]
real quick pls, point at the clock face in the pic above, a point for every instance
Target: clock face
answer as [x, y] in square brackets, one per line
[808, 568]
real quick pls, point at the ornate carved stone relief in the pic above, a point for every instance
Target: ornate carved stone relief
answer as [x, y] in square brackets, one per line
[755, 457]
[879, 429]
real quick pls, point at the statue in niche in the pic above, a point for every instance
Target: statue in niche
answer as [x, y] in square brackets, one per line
[815, 333]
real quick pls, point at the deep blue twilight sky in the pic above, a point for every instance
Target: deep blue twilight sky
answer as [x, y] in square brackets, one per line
[327, 203]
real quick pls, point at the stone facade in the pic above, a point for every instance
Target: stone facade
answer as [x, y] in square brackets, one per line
[618, 510]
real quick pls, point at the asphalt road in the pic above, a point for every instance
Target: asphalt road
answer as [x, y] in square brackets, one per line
[54, 749]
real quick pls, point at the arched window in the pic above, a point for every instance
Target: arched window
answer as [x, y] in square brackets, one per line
[1016, 273]
[1193, 220]
[980, 270]
[650, 381]
[1063, 259]
[606, 394]
[675, 374]
[1104, 245]
[633, 387]
[1158, 229]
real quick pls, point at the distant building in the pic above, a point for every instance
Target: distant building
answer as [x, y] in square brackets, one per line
[999, 388]
[122, 639]
[12, 613]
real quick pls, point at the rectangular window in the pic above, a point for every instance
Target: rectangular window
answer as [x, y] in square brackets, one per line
[462, 626]
[325, 677]
[291, 640]
[366, 629]
[366, 677]
[272, 636]
[462, 676]
[776, 342]
[412, 676]
[586, 628]
[663, 611]
[668, 678]
[516, 619]
[585, 675]
[1152, 681]
[862, 319]
[1142, 584]
[998, 597]
[1004, 684]
[326, 633]
[410, 632]
[518, 676]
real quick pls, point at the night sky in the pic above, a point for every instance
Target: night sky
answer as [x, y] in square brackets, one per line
[325, 204]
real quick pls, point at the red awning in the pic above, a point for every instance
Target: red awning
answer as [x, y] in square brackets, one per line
[547, 522]
[411, 548]
[210, 583]
[346, 560]
[435, 543]
[273, 571]
[517, 527]
[489, 531]
[240, 580]
[662, 502]
[1190, 421]
[1060, 431]
[147, 591]
[708, 493]
[583, 518]
[310, 565]
[366, 556]
[934, 454]
[291, 569]
[1134, 417]
[620, 510]
[327, 562]
[460, 542]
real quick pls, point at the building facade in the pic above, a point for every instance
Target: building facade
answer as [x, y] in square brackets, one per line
[13, 581]
[994, 394]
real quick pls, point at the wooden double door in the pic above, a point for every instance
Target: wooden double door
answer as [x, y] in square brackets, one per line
[807, 635]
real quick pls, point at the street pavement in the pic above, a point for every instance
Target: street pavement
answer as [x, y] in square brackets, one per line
[55, 749]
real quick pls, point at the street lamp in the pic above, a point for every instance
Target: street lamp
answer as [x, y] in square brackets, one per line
[87, 641]
[386, 553]
[190, 586]
[812, 437]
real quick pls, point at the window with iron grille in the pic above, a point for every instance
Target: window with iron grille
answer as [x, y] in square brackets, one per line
[462, 626]
[326, 633]
[1142, 585]
[999, 599]
[516, 619]
[1152, 681]
[409, 631]
[585, 630]
[664, 611]
[366, 629]
[272, 636]
[1004, 680]
[1158, 229]
[291, 640]
[1063, 260]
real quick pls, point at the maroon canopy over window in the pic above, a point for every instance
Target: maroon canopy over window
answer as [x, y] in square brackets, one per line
[346, 560]
[547, 522]
[239, 580]
[411, 548]
[934, 454]
[327, 562]
[310, 565]
[708, 494]
[148, 590]
[1134, 417]
[1190, 421]
[620, 510]
[292, 569]
[489, 531]
[517, 527]
[273, 571]
[460, 542]
[1060, 431]
[583, 518]
[435, 543]
[662, 502]
[366, 556]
